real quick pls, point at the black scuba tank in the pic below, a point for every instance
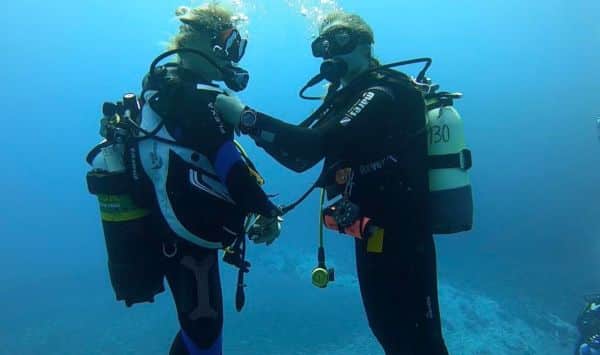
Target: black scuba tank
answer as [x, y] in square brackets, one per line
[134, 248]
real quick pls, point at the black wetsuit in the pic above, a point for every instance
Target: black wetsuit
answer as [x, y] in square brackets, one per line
[376, 127]
[193, 272]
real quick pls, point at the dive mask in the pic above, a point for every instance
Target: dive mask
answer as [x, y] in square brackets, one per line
[335, 42]
[229, 45]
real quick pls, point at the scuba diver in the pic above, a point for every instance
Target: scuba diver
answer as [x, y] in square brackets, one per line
[372, 132]
[588, 324]
[174, 187]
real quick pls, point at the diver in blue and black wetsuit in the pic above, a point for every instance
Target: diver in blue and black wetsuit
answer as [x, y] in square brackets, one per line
[194, 188]
[370, 133]
[202, 216]
[588, 324]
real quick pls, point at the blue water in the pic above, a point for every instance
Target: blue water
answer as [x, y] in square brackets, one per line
[530, 72]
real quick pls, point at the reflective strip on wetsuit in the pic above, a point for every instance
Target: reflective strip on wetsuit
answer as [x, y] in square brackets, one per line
[193, 349]
[227, 157]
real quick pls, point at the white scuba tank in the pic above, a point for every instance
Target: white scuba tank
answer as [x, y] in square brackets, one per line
[111, 158]
[449, 182]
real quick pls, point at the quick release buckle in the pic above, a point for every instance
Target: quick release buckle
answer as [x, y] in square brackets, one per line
[465, 159]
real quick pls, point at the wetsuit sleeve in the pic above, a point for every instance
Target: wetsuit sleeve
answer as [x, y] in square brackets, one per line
[367, 118]
[204, 130]
[300, 148]
[297, 148]
[242, 185]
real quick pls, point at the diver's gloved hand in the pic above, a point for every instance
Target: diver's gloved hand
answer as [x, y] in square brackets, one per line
[265, 229]
[587, 349]
[591, 346]
[230, 108]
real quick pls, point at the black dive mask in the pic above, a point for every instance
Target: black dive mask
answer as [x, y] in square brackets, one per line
[338, 41]
[234, 77]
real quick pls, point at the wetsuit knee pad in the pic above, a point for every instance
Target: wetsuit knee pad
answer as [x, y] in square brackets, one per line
[195, 284]
[178, 347]
[203, 332]
[215, 348]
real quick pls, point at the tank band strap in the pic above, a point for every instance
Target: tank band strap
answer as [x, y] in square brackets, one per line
[461, 160]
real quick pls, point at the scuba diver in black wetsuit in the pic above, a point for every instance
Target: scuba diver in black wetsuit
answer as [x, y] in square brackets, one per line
[372, 134]
[173, 186]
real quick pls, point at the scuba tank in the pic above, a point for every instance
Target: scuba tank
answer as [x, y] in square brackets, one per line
[450, 193]
[134, 249]
[451, 199]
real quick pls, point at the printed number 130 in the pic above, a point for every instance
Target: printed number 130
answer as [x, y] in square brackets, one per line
[439, 134]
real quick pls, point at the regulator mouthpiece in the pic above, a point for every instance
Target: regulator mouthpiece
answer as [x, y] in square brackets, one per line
[333, 70]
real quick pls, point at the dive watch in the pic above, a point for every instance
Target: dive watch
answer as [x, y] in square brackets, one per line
[248, 121]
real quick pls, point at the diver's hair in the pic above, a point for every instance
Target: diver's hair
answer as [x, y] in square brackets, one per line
[352, 21]
[356, 24]
[208, 19]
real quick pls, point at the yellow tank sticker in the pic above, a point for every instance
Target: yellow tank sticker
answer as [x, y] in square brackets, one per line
[124, 217]
[375, 242]
[119, 208]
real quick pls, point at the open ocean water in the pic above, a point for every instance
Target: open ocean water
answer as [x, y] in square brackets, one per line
[530, 74]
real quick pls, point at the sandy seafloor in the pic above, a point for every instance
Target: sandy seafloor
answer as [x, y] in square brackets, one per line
[75, 315]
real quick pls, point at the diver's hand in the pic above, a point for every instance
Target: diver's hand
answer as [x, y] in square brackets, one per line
[265, 229]
[230, 108]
